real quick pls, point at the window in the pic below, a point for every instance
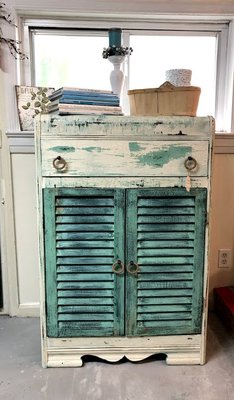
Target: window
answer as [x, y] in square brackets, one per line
[203, 48]
[154, 54]
[81, 64]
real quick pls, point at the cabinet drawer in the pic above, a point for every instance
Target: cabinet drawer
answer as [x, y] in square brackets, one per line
[99, 157]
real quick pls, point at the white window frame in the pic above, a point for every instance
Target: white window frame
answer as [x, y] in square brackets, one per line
[223, 28]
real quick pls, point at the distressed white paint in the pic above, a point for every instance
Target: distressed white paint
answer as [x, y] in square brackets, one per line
[179, 349]
[123, 157]
[126, 182]
[123, 126]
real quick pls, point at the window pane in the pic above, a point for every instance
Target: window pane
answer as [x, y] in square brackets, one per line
[74, 61]
[153, 55]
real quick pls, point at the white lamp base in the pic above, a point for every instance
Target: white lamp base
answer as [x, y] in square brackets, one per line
[116, 76]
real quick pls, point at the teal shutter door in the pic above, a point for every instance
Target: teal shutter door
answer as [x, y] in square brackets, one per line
[166, 229]
[84, 236]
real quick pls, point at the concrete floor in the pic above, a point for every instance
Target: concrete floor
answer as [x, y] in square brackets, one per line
[22, 378]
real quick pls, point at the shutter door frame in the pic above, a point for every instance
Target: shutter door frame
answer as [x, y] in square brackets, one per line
[53, 329]
[133, 327]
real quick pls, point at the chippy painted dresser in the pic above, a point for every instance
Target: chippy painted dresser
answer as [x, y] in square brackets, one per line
[123, 204]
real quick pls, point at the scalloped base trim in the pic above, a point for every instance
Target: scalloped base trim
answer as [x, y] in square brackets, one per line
[179, 350]
[73, 359]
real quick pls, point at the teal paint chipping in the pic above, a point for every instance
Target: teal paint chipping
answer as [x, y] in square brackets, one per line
[92, 149]
[164, 156]
[134, 146]
[63, 149]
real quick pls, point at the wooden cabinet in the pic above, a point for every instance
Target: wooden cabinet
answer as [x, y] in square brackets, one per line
[123, 237]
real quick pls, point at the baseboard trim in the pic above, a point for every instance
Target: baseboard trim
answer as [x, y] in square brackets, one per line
[29, 310]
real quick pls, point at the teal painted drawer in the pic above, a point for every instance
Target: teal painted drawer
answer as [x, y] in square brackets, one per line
[95, 158]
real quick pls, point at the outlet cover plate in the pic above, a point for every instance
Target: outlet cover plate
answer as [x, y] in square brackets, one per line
[224, 258]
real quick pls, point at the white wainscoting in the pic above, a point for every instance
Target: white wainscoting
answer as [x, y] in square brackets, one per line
[22, 158]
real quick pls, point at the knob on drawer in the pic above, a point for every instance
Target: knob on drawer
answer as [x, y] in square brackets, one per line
[59, 163]
[190, 163]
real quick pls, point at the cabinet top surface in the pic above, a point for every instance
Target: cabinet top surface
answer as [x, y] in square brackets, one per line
[101, 125]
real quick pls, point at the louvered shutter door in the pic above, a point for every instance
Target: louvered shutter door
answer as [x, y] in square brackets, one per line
[166, 238]
[81, 244]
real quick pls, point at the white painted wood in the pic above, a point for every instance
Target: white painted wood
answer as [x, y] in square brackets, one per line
[220, 101]
[30, 309]
[183, 358]
[41, 260]
[8, 254]
[180, 127]
[3, 269]
[191, 342]
[73, 358]
[229, 81]
[21, 142]
[24, 197]
[179, 349]
[122, 182]
[18, 226]
[123, 158]
[18, 141]
[212, 7]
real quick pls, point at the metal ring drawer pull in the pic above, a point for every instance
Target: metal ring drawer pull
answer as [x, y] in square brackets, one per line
[133, 268]
[59, 163]
[118, 267]
[190, 163]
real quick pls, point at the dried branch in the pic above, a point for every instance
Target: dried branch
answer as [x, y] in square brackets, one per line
[12, 44]
[5, 16]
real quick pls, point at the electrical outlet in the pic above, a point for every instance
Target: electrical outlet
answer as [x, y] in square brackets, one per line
[224, 258]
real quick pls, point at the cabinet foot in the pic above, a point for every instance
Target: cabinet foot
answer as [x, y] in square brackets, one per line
[183, 358]
[65, 361]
